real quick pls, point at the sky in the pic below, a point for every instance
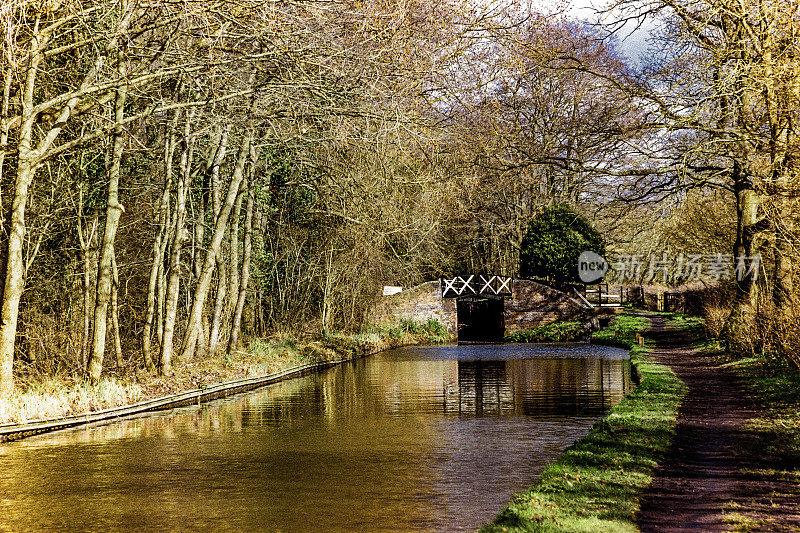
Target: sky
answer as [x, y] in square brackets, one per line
[633, 41]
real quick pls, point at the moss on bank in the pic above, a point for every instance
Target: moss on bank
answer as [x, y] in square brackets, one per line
[41, 397]
[596, 484]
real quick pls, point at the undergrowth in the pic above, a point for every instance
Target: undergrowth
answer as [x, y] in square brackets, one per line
[54, 396]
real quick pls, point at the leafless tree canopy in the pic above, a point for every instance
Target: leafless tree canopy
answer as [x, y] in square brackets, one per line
[178, 176]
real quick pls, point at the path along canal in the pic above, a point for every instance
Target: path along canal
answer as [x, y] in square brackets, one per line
[422, 438]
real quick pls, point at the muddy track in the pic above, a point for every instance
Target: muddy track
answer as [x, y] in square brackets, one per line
[708, 472]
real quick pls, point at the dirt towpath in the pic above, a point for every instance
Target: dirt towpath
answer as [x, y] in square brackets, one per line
[713, 478]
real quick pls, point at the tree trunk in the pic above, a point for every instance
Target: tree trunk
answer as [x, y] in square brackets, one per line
[115, 311]
[5, 126]
[783, 289]
[219, 304]
[15, 275]
[233, 278]
[230, 262]
[210, 189]
[104, 268]
[159, 249]
[179, 237]
[236, 324]
[221, 224]
[748, 228]
[327, 289]
[15, 266]
[86, 239]
[162, 295]
[737, 330]
[222, 277]
[209, 333]
[261, 320]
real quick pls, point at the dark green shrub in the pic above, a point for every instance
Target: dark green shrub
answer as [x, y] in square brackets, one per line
[554, 241]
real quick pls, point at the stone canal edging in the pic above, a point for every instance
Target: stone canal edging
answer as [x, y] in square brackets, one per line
[13, 431]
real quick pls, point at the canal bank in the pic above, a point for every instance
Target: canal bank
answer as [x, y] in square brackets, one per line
[72, 403]
[596, 485]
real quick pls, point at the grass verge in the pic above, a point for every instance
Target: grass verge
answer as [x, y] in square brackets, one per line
[595, 486]
[39, 396]
[622, 332]
[565, 331]
[776, 387]
[687, 322]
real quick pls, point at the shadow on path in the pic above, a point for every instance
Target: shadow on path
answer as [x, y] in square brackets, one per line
[712, 467]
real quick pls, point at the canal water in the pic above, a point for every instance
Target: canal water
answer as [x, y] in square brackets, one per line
[413, 439]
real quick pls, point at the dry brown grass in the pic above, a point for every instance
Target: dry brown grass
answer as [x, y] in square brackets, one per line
[714, 316]
[53, 397]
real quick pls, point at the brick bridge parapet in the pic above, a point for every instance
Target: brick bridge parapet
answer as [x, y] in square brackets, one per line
[530, 305]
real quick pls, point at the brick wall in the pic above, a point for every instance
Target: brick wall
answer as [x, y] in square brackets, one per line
[531, 305]
[420, 303]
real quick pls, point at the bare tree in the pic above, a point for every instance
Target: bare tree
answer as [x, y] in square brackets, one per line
[179, 237]
[220, 226]
[106, 266]
[245, 276]
[722, 99]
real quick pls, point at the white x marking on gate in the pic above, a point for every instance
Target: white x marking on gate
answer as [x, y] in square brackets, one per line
[503, 284]
[450, 284]
[487, 284]
[467, 285]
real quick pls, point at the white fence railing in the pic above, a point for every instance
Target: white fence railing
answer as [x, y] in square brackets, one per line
[475, 285]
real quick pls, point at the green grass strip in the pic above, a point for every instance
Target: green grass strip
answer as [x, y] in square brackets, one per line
[565, 331]
[596, 485]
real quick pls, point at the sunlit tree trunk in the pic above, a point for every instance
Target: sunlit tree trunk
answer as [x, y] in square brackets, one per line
[179, 237]
[85, 239]
[162, 291]
[5, 126]
[115, 311]
[219, 304]
[221, 263]
[236, 323]
[233, 259]
[159, 249]
[206, 342]
[15, 266]
[114, 211]
[220, 226]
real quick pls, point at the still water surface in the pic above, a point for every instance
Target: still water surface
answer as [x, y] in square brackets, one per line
[422, 438]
